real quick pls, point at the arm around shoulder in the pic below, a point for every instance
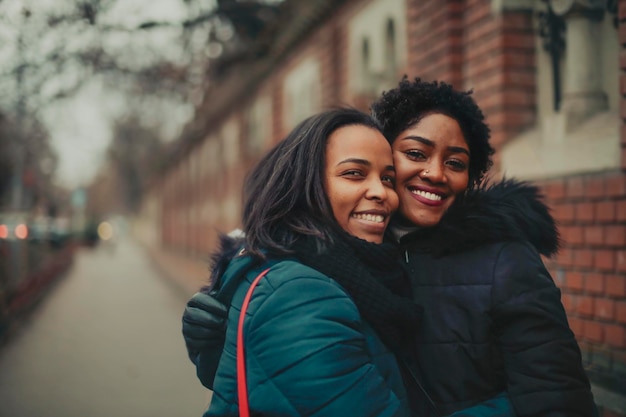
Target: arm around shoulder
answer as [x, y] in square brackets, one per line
[542, 359]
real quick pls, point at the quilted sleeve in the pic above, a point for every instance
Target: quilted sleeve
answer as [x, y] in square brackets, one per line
[307, 355]
[543, 364]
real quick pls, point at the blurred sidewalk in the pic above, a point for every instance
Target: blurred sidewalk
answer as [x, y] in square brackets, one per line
[188, 273]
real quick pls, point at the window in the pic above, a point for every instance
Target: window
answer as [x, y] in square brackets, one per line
[377, 53]
[577, 127]
[259, 124]
[390, 51]
[302, 92]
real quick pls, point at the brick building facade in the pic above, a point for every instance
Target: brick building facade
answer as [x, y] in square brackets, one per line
[554, 99]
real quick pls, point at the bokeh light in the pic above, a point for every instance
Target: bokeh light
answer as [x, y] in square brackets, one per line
[105, 231]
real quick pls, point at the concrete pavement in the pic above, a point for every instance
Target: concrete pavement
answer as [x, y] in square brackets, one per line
[187, 273]
[106, 342]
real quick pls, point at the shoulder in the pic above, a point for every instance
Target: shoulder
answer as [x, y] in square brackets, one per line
[243, 269]
[498, 255]
[288, 275]
[286, 270]
[514, 255]
[519, 270]
[291, 285]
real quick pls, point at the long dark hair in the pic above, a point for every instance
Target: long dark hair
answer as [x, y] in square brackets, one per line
[284, 194]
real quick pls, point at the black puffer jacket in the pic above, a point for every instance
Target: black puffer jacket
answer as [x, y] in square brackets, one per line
[493, 319]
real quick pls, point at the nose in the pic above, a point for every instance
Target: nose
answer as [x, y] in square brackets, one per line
[433, 171]
[376, 190]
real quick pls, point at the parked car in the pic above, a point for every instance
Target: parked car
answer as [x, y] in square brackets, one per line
[13, 226]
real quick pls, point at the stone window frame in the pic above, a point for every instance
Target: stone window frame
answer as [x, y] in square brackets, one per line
[301, 92]
[560, 143]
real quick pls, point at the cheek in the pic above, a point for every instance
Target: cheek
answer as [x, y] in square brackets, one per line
[403, 169]
[404, 202]
[460, 183]
[407, 213]
[394, 201]
[337, 199]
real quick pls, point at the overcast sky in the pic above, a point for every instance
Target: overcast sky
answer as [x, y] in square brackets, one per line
[80, 127]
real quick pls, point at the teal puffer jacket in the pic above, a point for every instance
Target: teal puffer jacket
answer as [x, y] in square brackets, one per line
[308, 352]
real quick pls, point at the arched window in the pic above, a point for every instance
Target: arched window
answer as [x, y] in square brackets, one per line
[390, 48]
[365, 55]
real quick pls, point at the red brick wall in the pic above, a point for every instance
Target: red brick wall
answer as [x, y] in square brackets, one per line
[435, 40]
[329, 45]
[462, 42]
[500, 67]
[622, 64]
[591, 268]
[332, 56]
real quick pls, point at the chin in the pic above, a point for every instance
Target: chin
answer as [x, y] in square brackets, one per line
[427, 220]
[371, 238]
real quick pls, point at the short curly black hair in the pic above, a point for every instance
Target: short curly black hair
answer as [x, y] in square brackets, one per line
[404, 106]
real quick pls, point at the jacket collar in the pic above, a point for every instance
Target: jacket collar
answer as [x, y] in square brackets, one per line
[495, 212]
[229, 247]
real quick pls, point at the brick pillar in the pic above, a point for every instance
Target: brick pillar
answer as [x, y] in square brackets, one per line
[622, 63]
[500, 67]
[435, 40]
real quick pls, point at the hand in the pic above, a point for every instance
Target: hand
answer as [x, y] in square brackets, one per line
[204, 323]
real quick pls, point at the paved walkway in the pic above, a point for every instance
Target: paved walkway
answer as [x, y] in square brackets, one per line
[187, 273]
[106, 342]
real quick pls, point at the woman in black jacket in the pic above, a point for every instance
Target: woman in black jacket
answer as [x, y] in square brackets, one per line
[494, 339]
[493, 320]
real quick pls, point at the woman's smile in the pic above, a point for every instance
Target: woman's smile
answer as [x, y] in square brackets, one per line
[432, 168]
[428, 197]
[359, 180]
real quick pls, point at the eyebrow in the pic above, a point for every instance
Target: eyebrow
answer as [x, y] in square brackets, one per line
[430, 143]
[364, 162]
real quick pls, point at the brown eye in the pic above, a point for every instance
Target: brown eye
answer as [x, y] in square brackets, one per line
[415, 155]
[352, 173]
[457, 165]
[389, 179]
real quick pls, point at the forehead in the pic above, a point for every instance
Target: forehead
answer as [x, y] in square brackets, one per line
[438, 128]
[355, 141]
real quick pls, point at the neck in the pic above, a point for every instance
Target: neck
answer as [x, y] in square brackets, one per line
[401, 227]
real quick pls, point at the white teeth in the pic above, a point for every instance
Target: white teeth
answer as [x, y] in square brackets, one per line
[377, 218]
[427, 195]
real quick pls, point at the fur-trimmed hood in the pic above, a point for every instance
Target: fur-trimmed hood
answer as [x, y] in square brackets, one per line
[230, 245]
[495, 212]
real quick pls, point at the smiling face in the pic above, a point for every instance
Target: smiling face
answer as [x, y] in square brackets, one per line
[359, 178]
[432, 160]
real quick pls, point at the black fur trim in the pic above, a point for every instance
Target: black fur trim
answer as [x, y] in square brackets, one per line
[228, 248]
[495, 212]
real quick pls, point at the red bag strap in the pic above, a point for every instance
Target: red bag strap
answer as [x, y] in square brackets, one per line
[242, 386]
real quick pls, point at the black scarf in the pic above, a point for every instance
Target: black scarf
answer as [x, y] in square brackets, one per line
[375, 279]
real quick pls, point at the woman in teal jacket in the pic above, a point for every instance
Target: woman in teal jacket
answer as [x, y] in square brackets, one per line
[319, 328]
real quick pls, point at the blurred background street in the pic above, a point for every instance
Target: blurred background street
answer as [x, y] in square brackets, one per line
[106, 341]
